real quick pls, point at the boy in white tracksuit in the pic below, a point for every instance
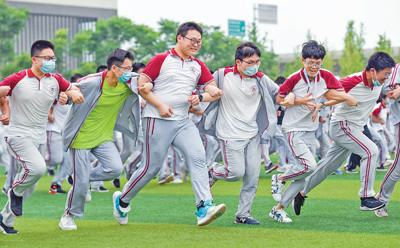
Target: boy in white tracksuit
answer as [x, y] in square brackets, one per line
[236, 121]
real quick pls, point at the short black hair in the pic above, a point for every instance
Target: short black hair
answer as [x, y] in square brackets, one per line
[118, 56]
[380, 61]
[280, 80]
[39, 46]
[101, 68]
[185, 27]
[381, 96]
[246, 50]
[311, 49]
[137, 66]
[75, 77]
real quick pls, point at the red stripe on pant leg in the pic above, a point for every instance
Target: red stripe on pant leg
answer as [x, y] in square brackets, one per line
[23, 165]
[301, 159]
[225, 162]
[396, 159]
[146, 164]
[368, 154]
[73, 183]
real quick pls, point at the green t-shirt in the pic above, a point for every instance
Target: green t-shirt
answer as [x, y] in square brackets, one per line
[99, 125]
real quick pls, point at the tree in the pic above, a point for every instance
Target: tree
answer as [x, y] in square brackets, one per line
[19, 63]
[269, 63]
[384, 45]
[60, 42]
[352, 59]
[12, 21]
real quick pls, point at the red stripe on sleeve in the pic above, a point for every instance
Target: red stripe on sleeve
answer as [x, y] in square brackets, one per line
[153, 67]
[13, 79]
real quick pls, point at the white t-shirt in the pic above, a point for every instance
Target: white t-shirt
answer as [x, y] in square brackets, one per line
[238, 108]
[60, 113]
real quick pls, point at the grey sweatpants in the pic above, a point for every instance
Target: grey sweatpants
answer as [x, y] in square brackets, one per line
[393, 175]
[159, 134]
[30, 158]
[303, 145]
[347, 139]
[108, 168]
[242, 159]
[11, 172]
[57, 156]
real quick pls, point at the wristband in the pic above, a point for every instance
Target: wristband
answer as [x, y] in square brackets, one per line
[200, 98]
[323, 103]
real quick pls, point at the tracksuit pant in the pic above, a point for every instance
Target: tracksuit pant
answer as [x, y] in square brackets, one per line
[393, 174]
[30, 157]
[57, 156]
[302, 145]
[159, 134]
[347, 139]
[242, 159]
[108, 168]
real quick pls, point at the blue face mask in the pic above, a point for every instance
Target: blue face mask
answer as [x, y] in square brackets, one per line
[376, 83]
[251, 70]
[48, 66]
[126, 75]
[305, 72]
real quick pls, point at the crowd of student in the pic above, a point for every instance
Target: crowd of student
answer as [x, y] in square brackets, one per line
[173, 118]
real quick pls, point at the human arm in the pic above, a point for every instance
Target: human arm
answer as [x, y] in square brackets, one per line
[5, 110]
[340, 96]
[376, 119]
[75, 94]
[4, 90]
[291, 100]
[395, 93]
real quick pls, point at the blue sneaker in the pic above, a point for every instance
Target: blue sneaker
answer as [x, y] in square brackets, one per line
[207, 212]
[247, 220]
[120, 213]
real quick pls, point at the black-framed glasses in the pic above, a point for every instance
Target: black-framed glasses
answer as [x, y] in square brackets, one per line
[316, 65]
[47, 58]
[251, 62]
[194, 42]
[125, 68]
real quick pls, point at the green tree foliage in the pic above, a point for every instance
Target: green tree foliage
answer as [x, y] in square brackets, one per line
[384, 45]
[85, 68]
[269, 64]
[18, 63]
[12, 21]
[61, 42]
[352, 59]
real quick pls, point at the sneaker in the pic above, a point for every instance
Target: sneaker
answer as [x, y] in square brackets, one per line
[382, 212]
[99, 189]
[211, 180]
[50, 172]
[177, 180]
[277, 187]
[298, 202]
[15, 203]
[247, 220]
[56, 189]
[279, 215]
[120, 213]
[70, 180]
[67, 223]
[167, 179]
[388, 162]
[207, 212]
[116, 183]
[271, 167]
[88, 196]
[370, 203]
[338, 172]
[6, 229]
[351, 171]
[381, 168]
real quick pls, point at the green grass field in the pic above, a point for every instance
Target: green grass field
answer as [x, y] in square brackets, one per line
[163, 216]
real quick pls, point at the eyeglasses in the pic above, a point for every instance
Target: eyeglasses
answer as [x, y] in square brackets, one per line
[47, 58]
[251, 62]
[316, 65]
[194, 42]
[125, 68]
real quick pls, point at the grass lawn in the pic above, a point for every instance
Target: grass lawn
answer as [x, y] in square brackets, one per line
[163, 216]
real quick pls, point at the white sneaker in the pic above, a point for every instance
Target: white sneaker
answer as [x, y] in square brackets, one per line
[279, 215]
[277, 188]
[209, 213]
[88, 196]
[382, 212]
[388, 162]
[67, 223]
[120, 214]
[177, 180]
[167, 179]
